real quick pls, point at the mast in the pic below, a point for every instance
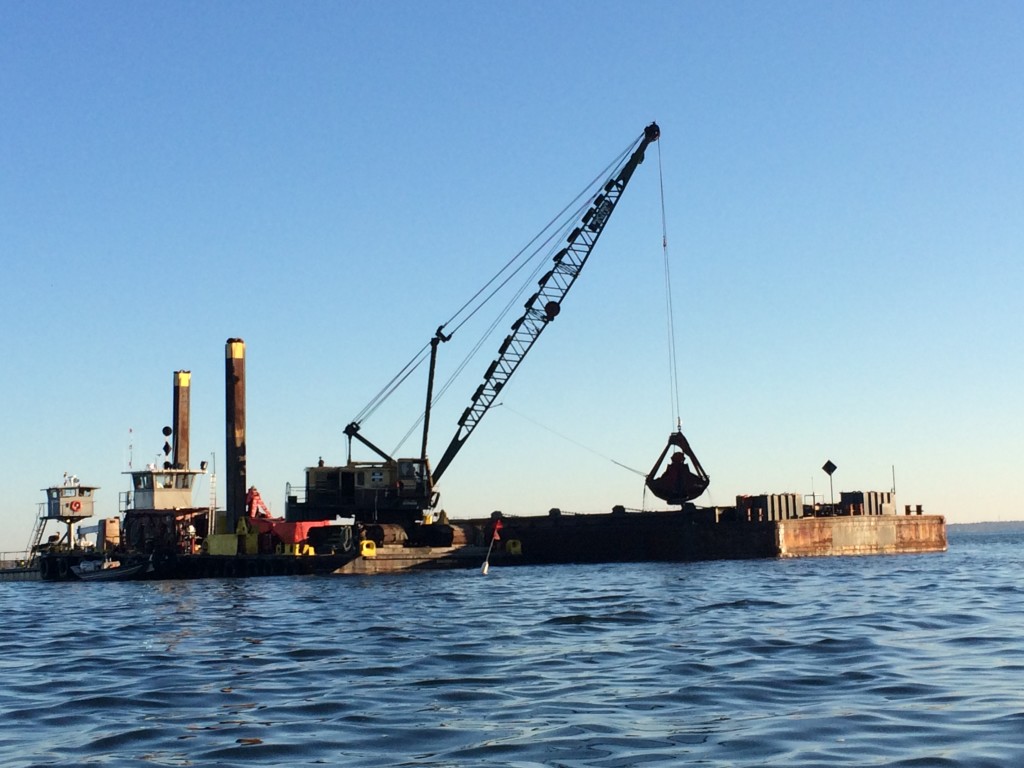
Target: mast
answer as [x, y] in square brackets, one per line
[545, 304]
[438, 338]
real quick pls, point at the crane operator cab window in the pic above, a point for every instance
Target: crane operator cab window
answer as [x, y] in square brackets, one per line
[410, 474]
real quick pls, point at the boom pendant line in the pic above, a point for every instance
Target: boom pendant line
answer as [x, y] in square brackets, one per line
[544, 305]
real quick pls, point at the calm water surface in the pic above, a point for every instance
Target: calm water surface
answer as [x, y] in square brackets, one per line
[904, 661]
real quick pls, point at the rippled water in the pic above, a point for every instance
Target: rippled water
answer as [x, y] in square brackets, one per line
[908, 660]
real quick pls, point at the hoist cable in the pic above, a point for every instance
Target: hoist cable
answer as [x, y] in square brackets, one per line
[670, 315]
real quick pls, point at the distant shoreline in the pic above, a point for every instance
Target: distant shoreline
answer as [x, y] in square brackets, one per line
[995, 526]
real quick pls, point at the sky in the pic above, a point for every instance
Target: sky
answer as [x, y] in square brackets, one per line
[842, 186]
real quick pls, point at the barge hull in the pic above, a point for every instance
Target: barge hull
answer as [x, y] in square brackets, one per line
[861, 535]
[663, 537]
[674, 536]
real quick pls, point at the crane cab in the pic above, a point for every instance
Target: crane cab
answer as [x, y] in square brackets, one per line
[395, 491]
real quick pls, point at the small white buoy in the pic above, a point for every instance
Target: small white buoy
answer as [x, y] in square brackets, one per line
[484, 569]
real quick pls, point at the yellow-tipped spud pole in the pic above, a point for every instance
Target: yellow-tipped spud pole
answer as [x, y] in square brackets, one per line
[235, 427]
[182, 400]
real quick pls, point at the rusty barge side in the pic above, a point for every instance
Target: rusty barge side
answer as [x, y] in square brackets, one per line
[861, 535]
[691, 534]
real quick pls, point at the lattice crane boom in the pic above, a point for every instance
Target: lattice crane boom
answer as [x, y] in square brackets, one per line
[544, 305]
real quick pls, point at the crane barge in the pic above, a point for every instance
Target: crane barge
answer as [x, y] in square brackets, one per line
[398, 491]
[379, 515]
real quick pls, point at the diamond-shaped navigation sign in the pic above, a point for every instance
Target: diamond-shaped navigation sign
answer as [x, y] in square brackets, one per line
[829, 468]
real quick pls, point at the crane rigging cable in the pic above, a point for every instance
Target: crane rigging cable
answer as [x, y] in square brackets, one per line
[669, 313]
[571, 440]
[536, 251]
[544, 249]
[545, 303]
[539, 257]
[562, 219]
[680, 482]
[388, 389]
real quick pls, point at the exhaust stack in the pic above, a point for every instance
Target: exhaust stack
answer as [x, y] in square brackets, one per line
[235, 428]
[181, 416]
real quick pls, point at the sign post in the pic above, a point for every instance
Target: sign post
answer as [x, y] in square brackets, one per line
[829, 468]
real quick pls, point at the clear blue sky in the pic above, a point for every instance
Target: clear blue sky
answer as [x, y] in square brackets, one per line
[844, 190]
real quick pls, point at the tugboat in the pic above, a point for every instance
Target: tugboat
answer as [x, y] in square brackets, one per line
[164, 535]
[167, 537]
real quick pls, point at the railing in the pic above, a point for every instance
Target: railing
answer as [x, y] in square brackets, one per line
[15, 560]
[297, 492]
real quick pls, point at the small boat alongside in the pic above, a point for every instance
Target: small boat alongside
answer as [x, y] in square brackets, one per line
[109, 570]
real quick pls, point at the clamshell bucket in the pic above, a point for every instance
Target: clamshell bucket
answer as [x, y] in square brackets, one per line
[679, 483]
